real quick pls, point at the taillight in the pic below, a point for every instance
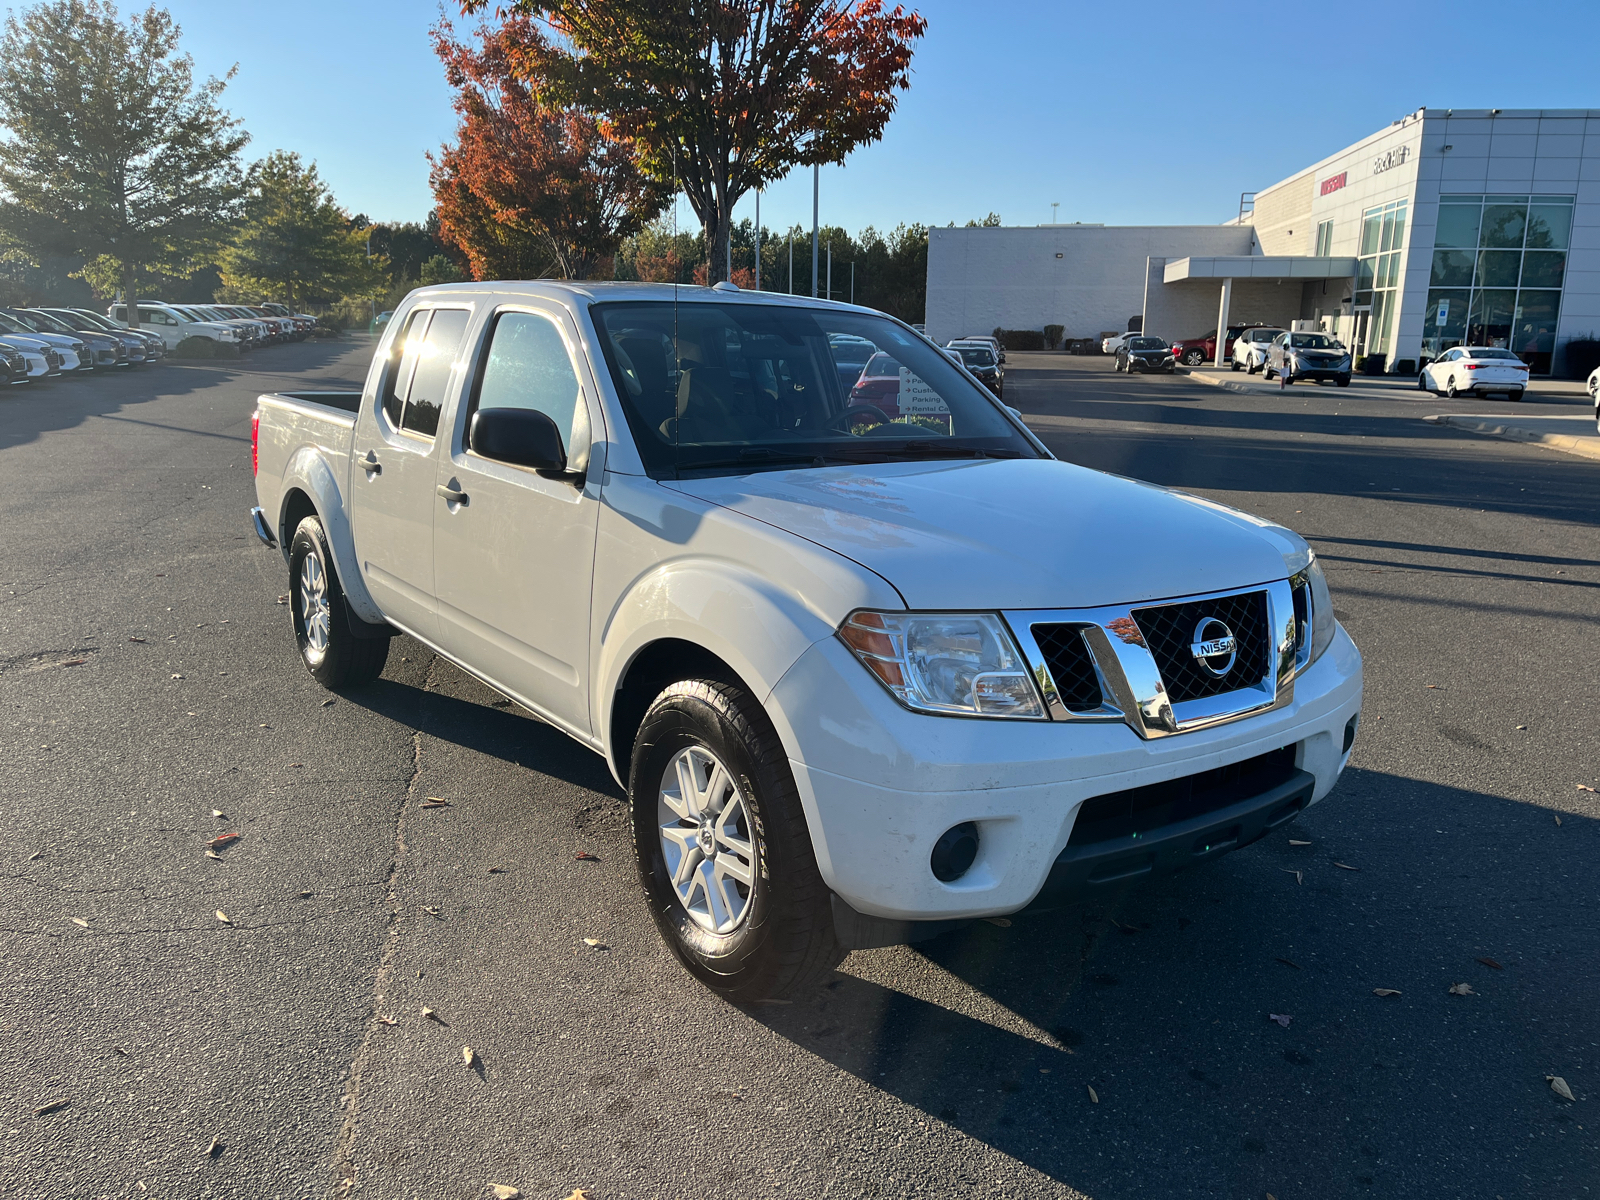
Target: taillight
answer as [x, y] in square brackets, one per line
[1472, 366]
[255, 442]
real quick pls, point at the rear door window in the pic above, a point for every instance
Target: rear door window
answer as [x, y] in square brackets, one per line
[405, 351]
[436, 358]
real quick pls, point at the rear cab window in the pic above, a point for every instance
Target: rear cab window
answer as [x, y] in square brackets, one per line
[425, 353]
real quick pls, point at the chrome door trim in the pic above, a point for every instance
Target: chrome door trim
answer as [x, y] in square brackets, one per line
[1131, 686]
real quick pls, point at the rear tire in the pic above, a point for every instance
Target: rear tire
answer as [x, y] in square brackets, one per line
[1193, 358]
[333, 654]
[1450, 389]
[706, 750]
[1266, 370]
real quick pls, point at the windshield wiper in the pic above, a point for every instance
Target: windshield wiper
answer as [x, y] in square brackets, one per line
[922, 449]
[760, 456]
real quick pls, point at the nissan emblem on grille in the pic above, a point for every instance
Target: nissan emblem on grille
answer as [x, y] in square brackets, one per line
[1214, 647]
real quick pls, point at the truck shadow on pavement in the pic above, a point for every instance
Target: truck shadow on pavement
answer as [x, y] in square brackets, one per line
[1126, 1048]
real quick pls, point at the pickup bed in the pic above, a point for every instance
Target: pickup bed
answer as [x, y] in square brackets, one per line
[867, 670]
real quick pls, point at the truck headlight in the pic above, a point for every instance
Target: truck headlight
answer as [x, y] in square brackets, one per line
[1313, 614]
[965, 664]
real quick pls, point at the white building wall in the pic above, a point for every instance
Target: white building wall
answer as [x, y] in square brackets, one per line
[1089, 278]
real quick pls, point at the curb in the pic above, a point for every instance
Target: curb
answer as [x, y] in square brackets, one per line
[1583, 447]
[1229, 385]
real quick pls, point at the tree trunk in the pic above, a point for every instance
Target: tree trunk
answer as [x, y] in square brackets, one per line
[130, 287]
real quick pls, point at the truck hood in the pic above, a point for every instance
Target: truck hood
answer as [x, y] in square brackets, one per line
[996, 534]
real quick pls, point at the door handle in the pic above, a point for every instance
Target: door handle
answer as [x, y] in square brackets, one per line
[452, 494]
[370, 464]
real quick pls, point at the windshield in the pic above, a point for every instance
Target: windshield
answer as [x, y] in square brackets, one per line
[1312, 341]
[48, 321]
[1263, 335]
[1146, 343]
[1483, 352]
[24, 321]
[976, 357]
[734, 388]
[11, 325]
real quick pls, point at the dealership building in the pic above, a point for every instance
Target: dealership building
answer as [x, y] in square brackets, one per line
[1451, 226]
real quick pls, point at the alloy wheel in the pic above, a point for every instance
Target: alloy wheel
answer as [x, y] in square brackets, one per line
[705, 838]
[315, 610]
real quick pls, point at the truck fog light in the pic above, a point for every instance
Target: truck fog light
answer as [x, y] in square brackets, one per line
[954, 852]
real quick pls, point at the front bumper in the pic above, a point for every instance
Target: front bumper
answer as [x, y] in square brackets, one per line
[1169, 363]
[881, 784]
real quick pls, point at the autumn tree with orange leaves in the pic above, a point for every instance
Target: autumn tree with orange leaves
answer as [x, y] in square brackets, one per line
[530, 187]
[725, 96]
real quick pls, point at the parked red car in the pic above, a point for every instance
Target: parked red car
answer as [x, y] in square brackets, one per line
[1192, 352]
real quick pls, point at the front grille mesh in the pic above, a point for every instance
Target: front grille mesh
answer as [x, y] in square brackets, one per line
[1070, 666]
[1169, 629]
[1142, 810]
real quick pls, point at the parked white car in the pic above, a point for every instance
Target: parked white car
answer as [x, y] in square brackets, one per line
[1112, 344]
[42, 360]
[1250, 348]
[1475, 371]
[172, 324]
[70, 352]
[1594, 394]
[865, 669]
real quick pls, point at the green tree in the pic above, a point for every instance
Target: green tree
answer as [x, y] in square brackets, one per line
[114, 151]
[724, 96]
[294, 243]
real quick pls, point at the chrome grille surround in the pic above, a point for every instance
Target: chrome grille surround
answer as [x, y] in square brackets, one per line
[1132, 689]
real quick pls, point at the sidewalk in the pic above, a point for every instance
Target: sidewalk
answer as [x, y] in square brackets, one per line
[1373, 385]
[1575, 435]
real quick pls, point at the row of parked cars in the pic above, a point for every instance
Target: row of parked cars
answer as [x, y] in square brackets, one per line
[50, 341]
[1293, 354]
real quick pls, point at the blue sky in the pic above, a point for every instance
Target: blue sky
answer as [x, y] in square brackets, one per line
[1160, 116]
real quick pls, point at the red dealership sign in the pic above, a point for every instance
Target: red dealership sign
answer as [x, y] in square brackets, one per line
[1334, 182]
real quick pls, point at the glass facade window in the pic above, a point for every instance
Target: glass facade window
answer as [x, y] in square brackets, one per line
[1324, 239]
[1383, 236]
[1498, 266]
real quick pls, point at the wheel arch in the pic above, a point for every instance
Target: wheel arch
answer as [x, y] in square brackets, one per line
[310, 489]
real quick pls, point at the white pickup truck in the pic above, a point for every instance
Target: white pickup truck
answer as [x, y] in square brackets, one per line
[867, 667]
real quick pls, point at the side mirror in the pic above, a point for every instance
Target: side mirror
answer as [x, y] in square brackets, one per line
[523, 437]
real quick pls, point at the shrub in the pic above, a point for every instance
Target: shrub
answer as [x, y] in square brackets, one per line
[1405, 366]
[1370, 364]
[1020, 339]
[1053, 335]
[200, 347]
[1583, 356]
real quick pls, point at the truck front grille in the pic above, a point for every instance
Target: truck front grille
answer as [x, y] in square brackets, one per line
[1067, 657]
[1169, 631]
[1145, 809]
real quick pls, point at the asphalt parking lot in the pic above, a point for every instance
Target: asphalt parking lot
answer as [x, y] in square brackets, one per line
[149, 680]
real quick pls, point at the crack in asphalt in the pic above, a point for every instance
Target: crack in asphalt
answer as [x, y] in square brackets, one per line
[342, 1182]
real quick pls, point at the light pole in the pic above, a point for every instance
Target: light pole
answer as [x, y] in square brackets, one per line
[1055, 205]
[758, 239]
[791, 262]
[852, 281]
[816, 196]
[830, 269]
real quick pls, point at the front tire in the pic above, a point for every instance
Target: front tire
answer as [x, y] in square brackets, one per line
[333, 654]
[1266, 370]
[724, 853]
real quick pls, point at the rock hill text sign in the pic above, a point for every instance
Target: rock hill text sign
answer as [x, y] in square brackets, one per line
[1390, 160]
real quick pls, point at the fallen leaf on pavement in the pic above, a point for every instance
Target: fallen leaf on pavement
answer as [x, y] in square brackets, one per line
[213, 854]
[1281, 1018]
[1436, 687]
[80, 921]
[595, 944]
[1287, 963]
[505, 1192]
[383, 1020]
[1000, 921]
[1094, 1097]
[35, 855]
[222, 839]
[467, 1055]
[74, 662]
[45, 1110]
[215, 1148]
[1558, 818]
[305, 895]
[1557, 1084]
[1489, 962]
[327, 702]
[1385, 991]
[1462, 989]
[223, 917]
[577, 1194]
[177, 676]
[1346, 867]
[134, 639]
[435, 802]
[497, 870]
[1299, 876]
[585, 856]
[429, 1015]
[217, 812]
[1584, 787]
[283, 599]
[1297, 842]
[120, 1051]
